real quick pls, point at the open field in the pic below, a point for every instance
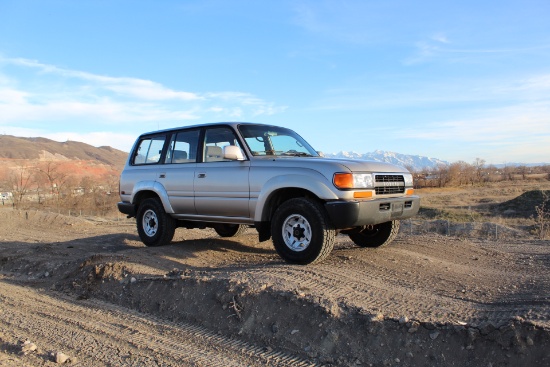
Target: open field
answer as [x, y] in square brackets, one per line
[87, 287]
[510, 204]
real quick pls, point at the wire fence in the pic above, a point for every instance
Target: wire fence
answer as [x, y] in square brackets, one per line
[472, 230]
[479, 230]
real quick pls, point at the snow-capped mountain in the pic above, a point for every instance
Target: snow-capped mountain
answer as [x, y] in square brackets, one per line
[415, 161]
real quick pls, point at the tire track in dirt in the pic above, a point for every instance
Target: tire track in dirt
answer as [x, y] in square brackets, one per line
[96, 331]
[433, 284]
[328, 313]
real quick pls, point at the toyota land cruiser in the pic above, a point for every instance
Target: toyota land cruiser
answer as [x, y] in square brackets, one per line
[231, 176]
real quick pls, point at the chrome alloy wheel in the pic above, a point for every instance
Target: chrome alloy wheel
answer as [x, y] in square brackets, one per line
[150, 223]
[296, 233]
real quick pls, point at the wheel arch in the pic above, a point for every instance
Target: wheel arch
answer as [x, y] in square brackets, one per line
[142, 195]
[152, 190]
[279, 196]
[282, 188]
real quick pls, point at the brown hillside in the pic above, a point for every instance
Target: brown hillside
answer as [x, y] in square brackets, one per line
[12, 147]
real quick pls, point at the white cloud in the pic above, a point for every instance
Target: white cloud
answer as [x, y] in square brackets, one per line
[346, 21]
[520, 125]
[140, 88]
[40, 92]
[452, 118]
[148, 90]
[466, 94]
[13, 96]
[437, 47]
[536, 83]
[440, 37]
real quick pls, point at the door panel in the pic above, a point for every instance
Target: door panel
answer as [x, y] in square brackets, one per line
[178, 183]
[222, 189]
[178, 172]
[221, 185]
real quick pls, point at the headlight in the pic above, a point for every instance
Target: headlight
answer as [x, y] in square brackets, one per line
[362, 181]
[353, 180]
[408, 180]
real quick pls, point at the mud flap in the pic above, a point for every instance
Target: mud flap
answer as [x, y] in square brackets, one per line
[264, 230]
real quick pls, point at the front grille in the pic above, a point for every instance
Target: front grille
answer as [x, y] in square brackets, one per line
[389, 178]
[388, 190]
[389, 184]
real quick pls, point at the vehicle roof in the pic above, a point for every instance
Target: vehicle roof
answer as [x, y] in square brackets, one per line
[233, 124]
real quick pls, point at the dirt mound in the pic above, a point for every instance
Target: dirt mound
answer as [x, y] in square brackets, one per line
[524, 205]
[426, 300]
[327, 331]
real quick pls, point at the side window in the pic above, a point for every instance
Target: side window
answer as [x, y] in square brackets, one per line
[149, 150]
[214, 141]
[183, 147]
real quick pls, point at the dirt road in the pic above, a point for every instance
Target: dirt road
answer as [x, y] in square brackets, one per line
[95, 333]
[91, 290]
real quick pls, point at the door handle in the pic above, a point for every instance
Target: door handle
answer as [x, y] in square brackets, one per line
[162, 175]
[201, 175]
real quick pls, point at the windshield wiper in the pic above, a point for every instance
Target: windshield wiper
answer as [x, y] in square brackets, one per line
[297, 154]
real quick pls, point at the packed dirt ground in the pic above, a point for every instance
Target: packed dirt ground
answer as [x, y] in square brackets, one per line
[86, 292]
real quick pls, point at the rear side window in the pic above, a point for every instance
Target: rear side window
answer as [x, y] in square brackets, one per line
[149, 150]
[183, 147]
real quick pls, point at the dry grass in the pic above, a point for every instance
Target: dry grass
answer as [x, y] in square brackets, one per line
[511, 204]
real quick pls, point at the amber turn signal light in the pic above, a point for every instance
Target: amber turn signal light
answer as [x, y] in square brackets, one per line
[343, 180]
[362, 194]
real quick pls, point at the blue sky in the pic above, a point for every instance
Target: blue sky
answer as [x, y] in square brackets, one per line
[454, 80]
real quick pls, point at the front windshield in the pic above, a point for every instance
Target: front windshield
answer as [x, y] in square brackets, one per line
[273, 140]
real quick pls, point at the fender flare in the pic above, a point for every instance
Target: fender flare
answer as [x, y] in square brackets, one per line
[315, 183]
[158, 189]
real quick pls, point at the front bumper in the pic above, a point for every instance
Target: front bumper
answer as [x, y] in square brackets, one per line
[347, 214]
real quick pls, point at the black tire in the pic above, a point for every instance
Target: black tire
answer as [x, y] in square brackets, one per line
[376, 236]
[155, 227]
[302, 232]
[230, 230]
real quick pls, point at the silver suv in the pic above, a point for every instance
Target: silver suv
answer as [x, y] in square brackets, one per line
[231, 176]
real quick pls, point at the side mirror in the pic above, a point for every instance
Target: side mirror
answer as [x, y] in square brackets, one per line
[321, 154]
[233, 153]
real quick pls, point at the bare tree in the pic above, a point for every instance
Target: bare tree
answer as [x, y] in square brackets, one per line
[20, 180]
[442, 175]
[523, 171]
[56, 178]
[508, 173]
[458, 173]
[478, 165]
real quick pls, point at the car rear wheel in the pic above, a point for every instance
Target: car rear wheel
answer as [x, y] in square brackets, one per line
[230, 230]
[155, 227]
[302, 232]
[376, 235]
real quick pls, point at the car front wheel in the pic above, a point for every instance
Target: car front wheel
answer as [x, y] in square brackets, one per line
[155, 227]
[302, 232]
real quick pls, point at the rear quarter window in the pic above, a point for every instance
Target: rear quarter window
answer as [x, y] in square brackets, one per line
[149, 150]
